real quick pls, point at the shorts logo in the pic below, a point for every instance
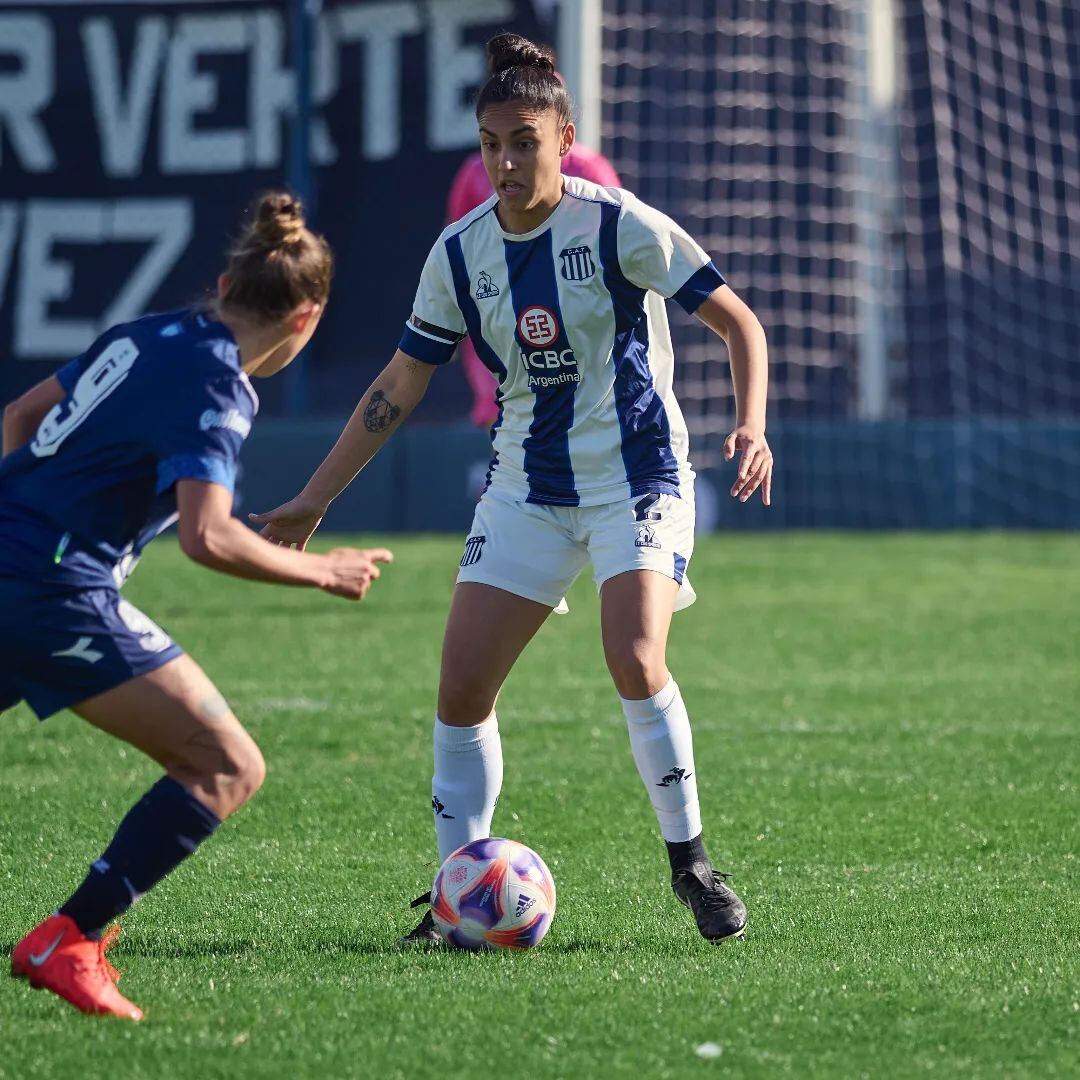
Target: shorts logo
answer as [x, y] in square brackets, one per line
[538, 326]
[485, 287]
[646, 537]
[474, 547]
[81, 651]
[577, 263]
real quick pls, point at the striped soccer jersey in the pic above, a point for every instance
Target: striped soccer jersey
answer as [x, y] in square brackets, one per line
[569, 318]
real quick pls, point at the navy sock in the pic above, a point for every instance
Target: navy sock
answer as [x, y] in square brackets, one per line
[682, 854]
[161, 830]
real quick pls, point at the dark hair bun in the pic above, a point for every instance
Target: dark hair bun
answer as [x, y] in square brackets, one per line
[512, 50]
[279, 219]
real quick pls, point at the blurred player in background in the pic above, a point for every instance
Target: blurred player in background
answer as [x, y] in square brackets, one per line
[559, 283]
[99, 459]
[471, 187]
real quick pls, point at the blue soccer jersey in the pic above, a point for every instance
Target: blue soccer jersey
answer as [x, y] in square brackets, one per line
[151, 402]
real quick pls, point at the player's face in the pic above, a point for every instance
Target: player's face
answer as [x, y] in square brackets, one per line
[523, 149]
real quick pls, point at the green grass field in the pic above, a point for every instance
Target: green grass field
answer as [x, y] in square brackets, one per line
[887, 749]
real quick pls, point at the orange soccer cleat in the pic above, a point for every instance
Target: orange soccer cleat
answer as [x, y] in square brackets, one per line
[56, 955]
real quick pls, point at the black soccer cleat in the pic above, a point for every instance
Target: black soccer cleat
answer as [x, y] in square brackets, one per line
[425, 936]
[720, 914]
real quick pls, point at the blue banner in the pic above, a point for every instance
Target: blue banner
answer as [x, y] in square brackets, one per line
[133, 135]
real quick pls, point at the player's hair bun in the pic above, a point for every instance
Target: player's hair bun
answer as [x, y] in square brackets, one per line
[279, 219]
[523, 72]
[277, 261]
[512, 50]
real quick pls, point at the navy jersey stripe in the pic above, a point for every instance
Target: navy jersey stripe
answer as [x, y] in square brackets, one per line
[493, 463]
[643, 420]
[531, 272]
[468, 308]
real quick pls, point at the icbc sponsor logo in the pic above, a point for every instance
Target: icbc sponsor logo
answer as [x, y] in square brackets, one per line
[538, 326]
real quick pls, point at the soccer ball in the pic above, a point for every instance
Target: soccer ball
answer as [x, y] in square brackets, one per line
[493, 894]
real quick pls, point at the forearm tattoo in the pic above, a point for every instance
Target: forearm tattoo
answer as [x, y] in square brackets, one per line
[380, 413]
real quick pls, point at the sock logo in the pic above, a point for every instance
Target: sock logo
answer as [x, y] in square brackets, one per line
[523, 904]
[675, 776]
[438, 807]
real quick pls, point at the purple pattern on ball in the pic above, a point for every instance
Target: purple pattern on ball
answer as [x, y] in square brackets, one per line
[491, 847]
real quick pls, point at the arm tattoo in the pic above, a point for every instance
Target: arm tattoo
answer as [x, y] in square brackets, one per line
[380, 413]
[412, 366]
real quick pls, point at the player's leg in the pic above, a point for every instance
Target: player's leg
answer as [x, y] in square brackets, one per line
[640, 565]
[175, 715]
[487, 630]
[519, 560]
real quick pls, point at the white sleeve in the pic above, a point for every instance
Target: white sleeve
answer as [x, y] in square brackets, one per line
[655, 253]
[436, 324]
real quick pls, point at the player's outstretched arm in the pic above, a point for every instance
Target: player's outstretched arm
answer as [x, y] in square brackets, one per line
[725, 314]
[382, 410]
[23, 415]
[210, 535]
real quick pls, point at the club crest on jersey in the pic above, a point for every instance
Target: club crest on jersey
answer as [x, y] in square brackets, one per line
[577, 263]
[485, 287]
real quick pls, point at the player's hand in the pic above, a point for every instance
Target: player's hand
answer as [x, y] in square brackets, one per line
[351, 571]
[290, 524]
[755, 465]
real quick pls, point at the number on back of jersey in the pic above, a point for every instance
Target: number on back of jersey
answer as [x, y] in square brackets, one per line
[95, 384]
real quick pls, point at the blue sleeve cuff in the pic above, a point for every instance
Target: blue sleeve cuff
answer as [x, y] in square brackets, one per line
[214, 470]
[426, 349]
[702, 284]
[69, 374]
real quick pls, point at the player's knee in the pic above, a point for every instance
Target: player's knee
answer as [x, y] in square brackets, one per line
[637, 668]
[464, 702]
[231, 771]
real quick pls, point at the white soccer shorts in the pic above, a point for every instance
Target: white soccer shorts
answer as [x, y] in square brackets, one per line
[538, 551]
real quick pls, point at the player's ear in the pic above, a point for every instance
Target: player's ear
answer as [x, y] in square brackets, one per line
[222, 285]
[304, 315]
[569, 132]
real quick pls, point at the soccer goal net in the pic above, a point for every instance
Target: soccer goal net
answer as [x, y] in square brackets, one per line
[893, 185]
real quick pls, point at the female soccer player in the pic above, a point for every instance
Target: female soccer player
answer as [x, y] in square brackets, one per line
[559, 284]
[470, 188]
[98, 459]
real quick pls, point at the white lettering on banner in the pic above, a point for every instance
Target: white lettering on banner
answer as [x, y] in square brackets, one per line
[270, 91]
[380, 27]
[170, 53]
[185, 147]
[44, 278]
[453, 68]
[24, 93]
[123, 119]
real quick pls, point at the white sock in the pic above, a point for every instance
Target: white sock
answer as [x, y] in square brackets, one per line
[664, 751]
[467, 781]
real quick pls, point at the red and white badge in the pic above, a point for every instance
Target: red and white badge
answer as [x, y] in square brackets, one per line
[538, 326]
